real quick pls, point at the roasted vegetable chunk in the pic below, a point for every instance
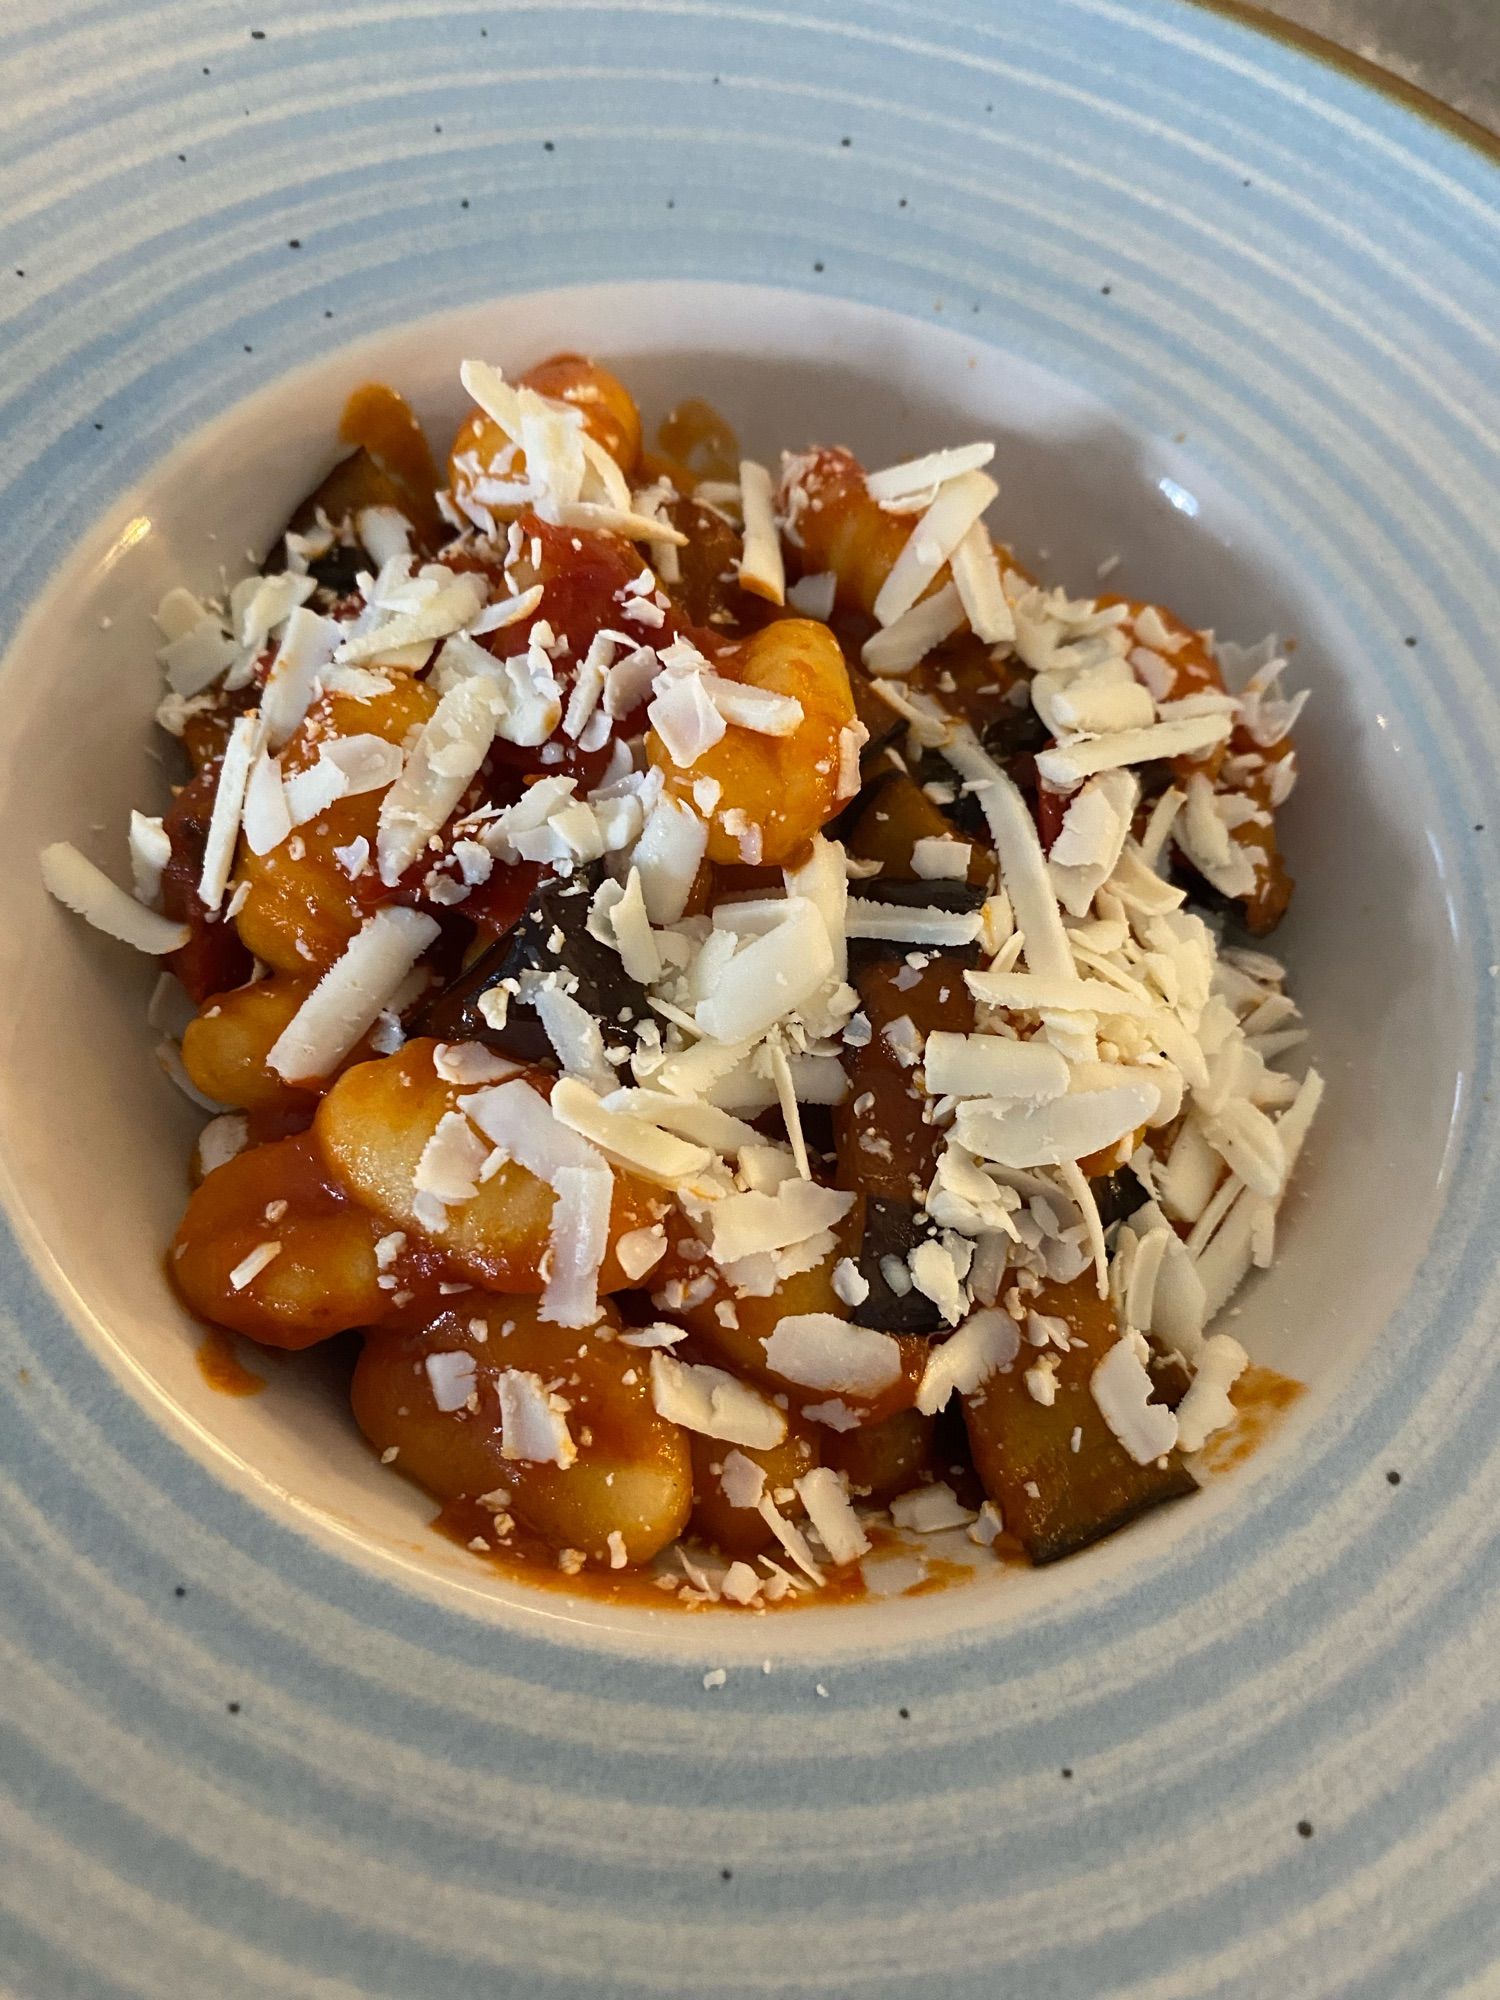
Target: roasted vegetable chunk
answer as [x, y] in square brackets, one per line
[1054, 1498]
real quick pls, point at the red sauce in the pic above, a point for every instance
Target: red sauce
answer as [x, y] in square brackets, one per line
[527, 1559]
[1261, 1400]
[221, 1367]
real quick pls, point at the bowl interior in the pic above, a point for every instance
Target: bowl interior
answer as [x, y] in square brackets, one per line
[96, 1140]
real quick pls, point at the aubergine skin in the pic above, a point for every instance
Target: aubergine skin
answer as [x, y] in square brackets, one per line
[551, 936]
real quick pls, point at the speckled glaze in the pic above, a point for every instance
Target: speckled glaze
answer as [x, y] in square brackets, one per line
[245, 1752]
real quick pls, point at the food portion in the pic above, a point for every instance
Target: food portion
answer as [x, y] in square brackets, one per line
[742, 1006]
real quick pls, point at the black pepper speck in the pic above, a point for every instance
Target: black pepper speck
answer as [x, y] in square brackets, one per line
[726, 1874]
[98, 427]
[294, 243]
[1305, 1828]
[846, 142]
[248, 348]
[328, 312]
[904, 1713]
[1393, 1478]
[818, 265]
[548, 147]
[180, 1590]
[233, 1707]
[1067, 1770]
[1105, 290]
[1410, 639]
[465, 202]
[257, 34]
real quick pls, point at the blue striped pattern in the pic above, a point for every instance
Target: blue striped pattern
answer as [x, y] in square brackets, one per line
[423, 1805]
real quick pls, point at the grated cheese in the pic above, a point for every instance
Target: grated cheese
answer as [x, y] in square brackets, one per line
[250, 1266]
[444, 759]
[824, 1494]
[907, 640]
[88, 892]
[533, 1429]
[1068, 764]
[924, 475]
[1208, 1407]
[987, 1341]
[770, 976]
[307, 646]
[814, 596]
[761, 571]
[229, 804]
[267, 818]
[743, 1481]
[1022, 1134]
[667, 858]
[344, 1004]
[713, 1403]
[448, 1166]
[928, 1510]
[647, 1149]
[938, 857]
[958, 504]
[222, 1139]
[976, 574]
[452, 1378]
[820, 1351]
[578, 1236]
[1122, 1389]
[901, 924]
[993, 1067]
[150, 851]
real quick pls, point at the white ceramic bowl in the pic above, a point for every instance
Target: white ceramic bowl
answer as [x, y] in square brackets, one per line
[99, 1139]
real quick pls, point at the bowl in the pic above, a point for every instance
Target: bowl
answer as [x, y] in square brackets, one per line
[1081, 486]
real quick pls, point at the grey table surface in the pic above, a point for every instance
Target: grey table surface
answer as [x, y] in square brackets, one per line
[1448, 47]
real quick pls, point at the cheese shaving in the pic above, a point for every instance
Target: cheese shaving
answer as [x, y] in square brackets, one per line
[907, 640]
[820, 1351]
[987, 1341]
[922, 476]
[976, 576]
[229, 804]
[826, 1498]
[88, 892]
[532, 1429]
[958, 504]
[714, 1404]
[442, 764]
[344, 1004]
[760, 566]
